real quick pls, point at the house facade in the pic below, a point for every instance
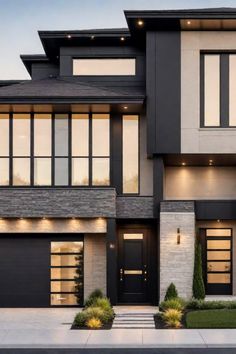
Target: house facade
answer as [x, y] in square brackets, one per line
[115, 157]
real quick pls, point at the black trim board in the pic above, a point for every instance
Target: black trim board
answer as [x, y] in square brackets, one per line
[163, 85]
[215, 209]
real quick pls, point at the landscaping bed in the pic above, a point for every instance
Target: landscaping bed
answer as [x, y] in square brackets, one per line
[97, 314]
[177, 313]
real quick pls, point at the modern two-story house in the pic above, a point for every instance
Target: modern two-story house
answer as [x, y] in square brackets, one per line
[116, 155]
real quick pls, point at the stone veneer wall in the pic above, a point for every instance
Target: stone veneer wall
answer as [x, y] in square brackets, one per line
[94, 263]
[177, 261]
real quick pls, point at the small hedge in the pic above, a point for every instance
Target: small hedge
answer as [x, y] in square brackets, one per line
[210, 305]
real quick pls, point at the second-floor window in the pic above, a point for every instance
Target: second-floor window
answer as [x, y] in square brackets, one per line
[218, 90]
[54, 149]
[104, 67]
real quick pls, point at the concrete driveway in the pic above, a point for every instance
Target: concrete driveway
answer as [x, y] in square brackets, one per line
[36, 318]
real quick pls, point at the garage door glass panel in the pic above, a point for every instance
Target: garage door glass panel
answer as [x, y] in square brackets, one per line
[67, 273]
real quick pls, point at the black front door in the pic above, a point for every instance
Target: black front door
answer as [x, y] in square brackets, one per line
[133, 267]
[217, 260]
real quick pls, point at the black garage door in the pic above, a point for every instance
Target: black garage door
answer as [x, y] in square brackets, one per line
[25, 268]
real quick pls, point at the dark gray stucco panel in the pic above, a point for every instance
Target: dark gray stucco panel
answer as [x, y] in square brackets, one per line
[59, 202]
[163, 85]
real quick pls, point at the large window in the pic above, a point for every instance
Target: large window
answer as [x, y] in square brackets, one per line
[67, 273]
[218, 89]
[54, 149]
[104, 66]
[130, 154]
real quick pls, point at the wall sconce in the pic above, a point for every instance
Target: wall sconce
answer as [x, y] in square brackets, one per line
[178, 236]
[112, 246]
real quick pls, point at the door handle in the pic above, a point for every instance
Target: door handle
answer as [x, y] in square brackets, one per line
[121, 274]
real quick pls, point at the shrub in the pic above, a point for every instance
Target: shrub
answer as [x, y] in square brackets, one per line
[196, 304]
[105, 305]
[93, 323]
[172, 318]
[176, 304]
[80, 319]
[171, 292]
[94, 312]
[96, 294]
[198, 283]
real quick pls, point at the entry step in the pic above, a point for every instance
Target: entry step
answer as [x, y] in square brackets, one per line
[134, 320]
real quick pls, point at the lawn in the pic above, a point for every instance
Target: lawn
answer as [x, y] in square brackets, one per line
[211, 319]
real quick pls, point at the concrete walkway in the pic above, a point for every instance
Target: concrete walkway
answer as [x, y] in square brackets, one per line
[50, 328]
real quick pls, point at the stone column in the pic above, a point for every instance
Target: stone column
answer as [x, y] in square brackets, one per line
[177, 260]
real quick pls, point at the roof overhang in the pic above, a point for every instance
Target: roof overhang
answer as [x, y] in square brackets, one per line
[223, 19]
[29, 59]
[53, 40]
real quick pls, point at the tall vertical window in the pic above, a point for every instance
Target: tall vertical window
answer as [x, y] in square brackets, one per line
[80, 149]
[67, 273]
[21, 149]
[61, 149]
[130, 154]
[232, 90]
[211, 90]
[42, 149]
[4, 149]
[100, 149]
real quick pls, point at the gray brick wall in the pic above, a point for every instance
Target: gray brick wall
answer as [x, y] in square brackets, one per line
[177, 206]
[94, 263]
[134, 207]
[57, 202]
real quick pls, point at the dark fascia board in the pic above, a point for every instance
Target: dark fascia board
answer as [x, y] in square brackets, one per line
[29, 59]
[170, 19]
[72, 100]
[53, 40]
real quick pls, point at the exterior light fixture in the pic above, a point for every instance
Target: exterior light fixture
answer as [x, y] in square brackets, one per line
[21, 218]
[140, 23]
[183, 163]
[122, 39]
[218, 220]
[188, 22]
[125, 107]
[92, 37]
[178, 236]
[112, 246]
[210, 162]
[69, 36]
[44, 218]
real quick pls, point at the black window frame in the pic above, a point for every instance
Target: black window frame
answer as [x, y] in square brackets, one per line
[80, 239]
[224, 88]
[53, 156]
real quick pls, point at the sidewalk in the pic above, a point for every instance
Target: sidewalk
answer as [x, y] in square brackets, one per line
[50, 328]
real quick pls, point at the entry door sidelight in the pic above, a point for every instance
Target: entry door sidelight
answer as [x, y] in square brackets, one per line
[218, 256]
[133, 268]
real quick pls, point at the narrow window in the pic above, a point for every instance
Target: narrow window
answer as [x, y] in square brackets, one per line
[104, 66]
[42, 149]
[232, 90]
[4, 149]
[211, 90]
[61, 150]
[80, 149]
[67, 273]
[130, 154]
[100, 149]
[21, 149]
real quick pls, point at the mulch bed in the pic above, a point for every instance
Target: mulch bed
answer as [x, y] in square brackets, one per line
[160, 324]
